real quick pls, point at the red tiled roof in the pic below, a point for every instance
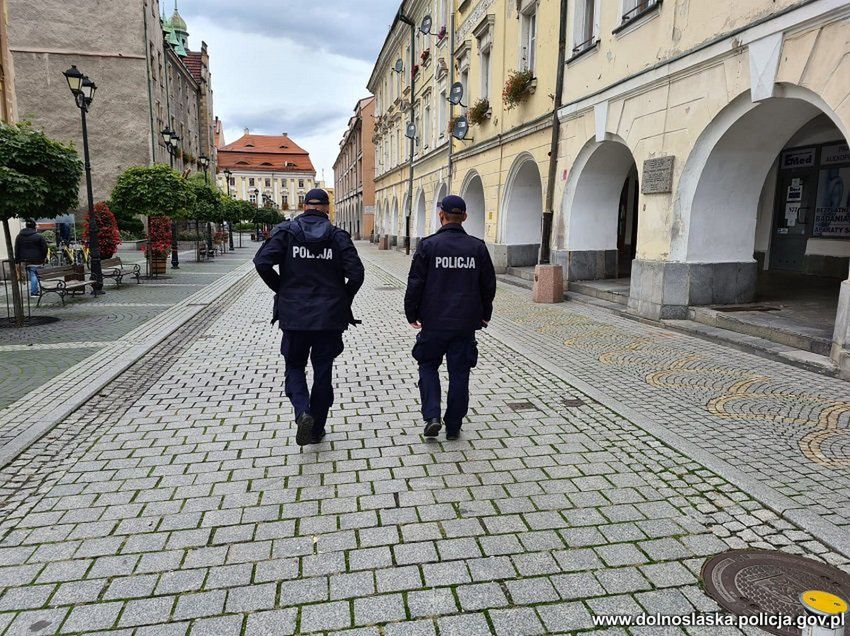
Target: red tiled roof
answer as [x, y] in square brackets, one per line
[193, 63]
[271, 153]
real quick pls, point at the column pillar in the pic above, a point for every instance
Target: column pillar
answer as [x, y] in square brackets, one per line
[841, 339]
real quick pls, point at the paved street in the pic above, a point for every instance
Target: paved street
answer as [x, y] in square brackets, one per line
[175, 501]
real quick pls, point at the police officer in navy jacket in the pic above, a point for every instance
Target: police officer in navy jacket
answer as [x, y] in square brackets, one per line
[320, 273]
[450, 291]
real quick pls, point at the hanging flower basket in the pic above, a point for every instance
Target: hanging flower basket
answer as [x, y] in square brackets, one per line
[415, 70]
[442, 34]
[425, 55]
[518, 87]
[479, 112]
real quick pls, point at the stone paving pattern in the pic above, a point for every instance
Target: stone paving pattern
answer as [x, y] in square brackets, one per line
[87, 324]
[786, 427]
[179, 504]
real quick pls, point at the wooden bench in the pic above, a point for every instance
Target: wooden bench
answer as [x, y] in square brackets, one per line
[204, 253]
[64, 281]
[113, 268]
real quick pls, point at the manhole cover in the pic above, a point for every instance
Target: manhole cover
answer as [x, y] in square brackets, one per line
[572, 402]
[521, 406]
[750, 582]
[34, 321]
[728, 309]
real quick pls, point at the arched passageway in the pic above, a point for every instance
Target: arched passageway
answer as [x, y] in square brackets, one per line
[600, 208]
[442, 193]
[522, 213]
[473, 193]
[420, 215]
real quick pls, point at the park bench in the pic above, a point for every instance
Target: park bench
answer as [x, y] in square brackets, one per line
[204, 253]
[115, 269]
[63, 281]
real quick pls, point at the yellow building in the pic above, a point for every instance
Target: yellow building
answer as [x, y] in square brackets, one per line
[393, 100]
[703, 152]
[502, 170]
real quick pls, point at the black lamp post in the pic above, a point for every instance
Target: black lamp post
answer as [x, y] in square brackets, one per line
[256, 192]
[171, 138]
[227, 175]
[83, 90]
[204, 162]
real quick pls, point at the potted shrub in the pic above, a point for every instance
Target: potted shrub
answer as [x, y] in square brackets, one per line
[519, 85]
[479, 112]
[158, 245]
[108, 237]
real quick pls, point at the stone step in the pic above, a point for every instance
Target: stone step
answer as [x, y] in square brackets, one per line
[814, 362]
[773, 332]
[515, 281]
[587, 288]
[522, 272]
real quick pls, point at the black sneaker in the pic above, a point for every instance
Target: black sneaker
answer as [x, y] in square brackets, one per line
[305, 429]
[432, 427]
[316, 436]
[452, 433]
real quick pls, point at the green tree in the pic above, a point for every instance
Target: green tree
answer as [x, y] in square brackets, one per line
[39, 177]
[152, 191]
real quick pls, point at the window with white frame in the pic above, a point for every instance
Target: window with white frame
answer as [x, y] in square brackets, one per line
[633, 8]
[426, 124]
[585, 25]
[529, 36]
[484, 34]
[442, 112]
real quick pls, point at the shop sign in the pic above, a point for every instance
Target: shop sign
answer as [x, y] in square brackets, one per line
[804, 158]
[657, 175]
[832, 215]
[836, 153]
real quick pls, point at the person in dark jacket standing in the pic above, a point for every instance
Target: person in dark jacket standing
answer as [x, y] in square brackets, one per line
[450, 291]
[319, 275]
[31, 248]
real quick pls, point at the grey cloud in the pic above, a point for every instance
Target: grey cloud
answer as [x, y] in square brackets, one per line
[351, 28]
[295, 123]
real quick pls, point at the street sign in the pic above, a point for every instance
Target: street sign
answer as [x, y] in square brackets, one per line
[456, 93]
[460, 129]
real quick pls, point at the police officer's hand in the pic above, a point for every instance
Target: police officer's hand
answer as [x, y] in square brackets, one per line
[416, 325]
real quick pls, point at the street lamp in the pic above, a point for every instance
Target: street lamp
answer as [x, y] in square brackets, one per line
[171, 138]
[227, 175]
[256, 193]
[83, 89]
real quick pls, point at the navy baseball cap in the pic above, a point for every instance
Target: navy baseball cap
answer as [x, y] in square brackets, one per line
[317, 196]
[452, 203]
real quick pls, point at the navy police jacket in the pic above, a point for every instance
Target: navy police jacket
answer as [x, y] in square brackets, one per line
[320, 273]
[452, 282]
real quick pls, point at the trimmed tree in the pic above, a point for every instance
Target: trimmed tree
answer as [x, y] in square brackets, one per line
[39, 177]
[152, 191]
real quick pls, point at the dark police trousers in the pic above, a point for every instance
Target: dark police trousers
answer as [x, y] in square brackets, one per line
[461, 352]
[321, 347]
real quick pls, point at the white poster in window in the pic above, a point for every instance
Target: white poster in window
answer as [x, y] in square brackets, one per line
[795, 191]
[832, 215]
[837, 153]
[791, 210]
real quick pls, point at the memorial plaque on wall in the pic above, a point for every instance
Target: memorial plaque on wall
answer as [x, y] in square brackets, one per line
[657, 175]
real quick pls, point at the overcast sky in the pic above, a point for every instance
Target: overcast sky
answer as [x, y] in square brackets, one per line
[294, 66]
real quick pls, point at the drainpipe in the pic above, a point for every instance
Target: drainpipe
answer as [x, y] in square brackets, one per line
[148, 65]
[451, 36]
[410, 22]
[549, 212]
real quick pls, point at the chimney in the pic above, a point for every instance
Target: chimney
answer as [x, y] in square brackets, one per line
[247, 131]
[285, 134]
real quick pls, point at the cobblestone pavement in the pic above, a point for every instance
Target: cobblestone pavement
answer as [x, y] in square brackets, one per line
[176, 502]
[30, 357]
[783, 427]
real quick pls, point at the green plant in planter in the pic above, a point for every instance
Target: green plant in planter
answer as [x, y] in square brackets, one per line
[517, 88]
[479, 112]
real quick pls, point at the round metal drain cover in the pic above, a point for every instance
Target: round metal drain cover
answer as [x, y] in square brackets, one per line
[750, 582]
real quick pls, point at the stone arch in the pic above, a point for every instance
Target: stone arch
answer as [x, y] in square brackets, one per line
[393, 229]
[420, 214]
[522, 212]
[722, 179]
[603, 180]
[472, 191]
[442, 192]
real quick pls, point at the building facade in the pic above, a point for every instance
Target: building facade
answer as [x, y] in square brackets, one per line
[703, 152]
[354, 172]
[422, 85]
[145, 74]
[267, 170]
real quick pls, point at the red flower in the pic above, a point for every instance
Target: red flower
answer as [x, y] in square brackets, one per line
[108, 237]
[159, 236]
